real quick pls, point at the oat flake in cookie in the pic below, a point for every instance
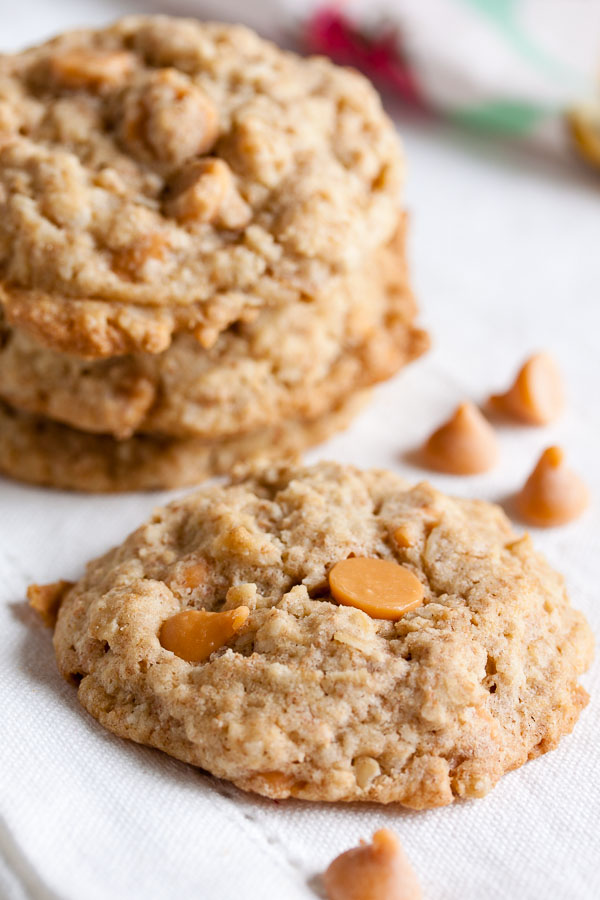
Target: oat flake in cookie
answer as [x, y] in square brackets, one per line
[290, 694]
[165, 175]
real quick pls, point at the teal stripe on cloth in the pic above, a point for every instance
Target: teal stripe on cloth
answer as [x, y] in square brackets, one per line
[506, 116]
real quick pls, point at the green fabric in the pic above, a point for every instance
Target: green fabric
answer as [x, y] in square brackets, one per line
[510, 117]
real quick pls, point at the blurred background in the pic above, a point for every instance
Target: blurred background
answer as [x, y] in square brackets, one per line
[527, 70]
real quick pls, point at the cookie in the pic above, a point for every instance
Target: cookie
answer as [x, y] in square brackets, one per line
[39, 451]
[301, 695]
[296, 361]
[165, 175]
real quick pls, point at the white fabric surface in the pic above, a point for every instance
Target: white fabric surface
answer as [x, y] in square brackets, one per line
[505, 260]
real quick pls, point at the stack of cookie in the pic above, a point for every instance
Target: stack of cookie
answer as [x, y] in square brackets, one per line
[202, 255]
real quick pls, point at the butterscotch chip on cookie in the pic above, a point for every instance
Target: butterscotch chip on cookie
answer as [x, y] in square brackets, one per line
[165, 175]
[288, 692]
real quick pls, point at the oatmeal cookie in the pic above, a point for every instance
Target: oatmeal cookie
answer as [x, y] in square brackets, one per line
[39, 451]
[165, 175]
[293, 362]
[297, 695]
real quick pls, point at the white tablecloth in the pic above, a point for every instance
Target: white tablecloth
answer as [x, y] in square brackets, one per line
[505, 258]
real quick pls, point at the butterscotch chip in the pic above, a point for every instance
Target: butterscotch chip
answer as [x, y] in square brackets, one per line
[167, 119]
[464, 445]
[194, 574]
[537, 394]
[381, 588]
[194, 634]
[583, 123]
[278, 781]
[553, 494]
[312, 698]
[198, 191]
[403, 537]
[89, 68]
[46, 599]
[376, 871]
[204, 192]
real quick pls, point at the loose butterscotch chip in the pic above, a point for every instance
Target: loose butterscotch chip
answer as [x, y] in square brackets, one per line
[91, 69]
[464, 445]
[553, 494]
[46, 599]
[583, 123]
[537, 394]
[376, 871]
[195, 633]
[379, 587]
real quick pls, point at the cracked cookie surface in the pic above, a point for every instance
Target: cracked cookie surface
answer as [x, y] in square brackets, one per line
[164, 174]
[319, 701]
